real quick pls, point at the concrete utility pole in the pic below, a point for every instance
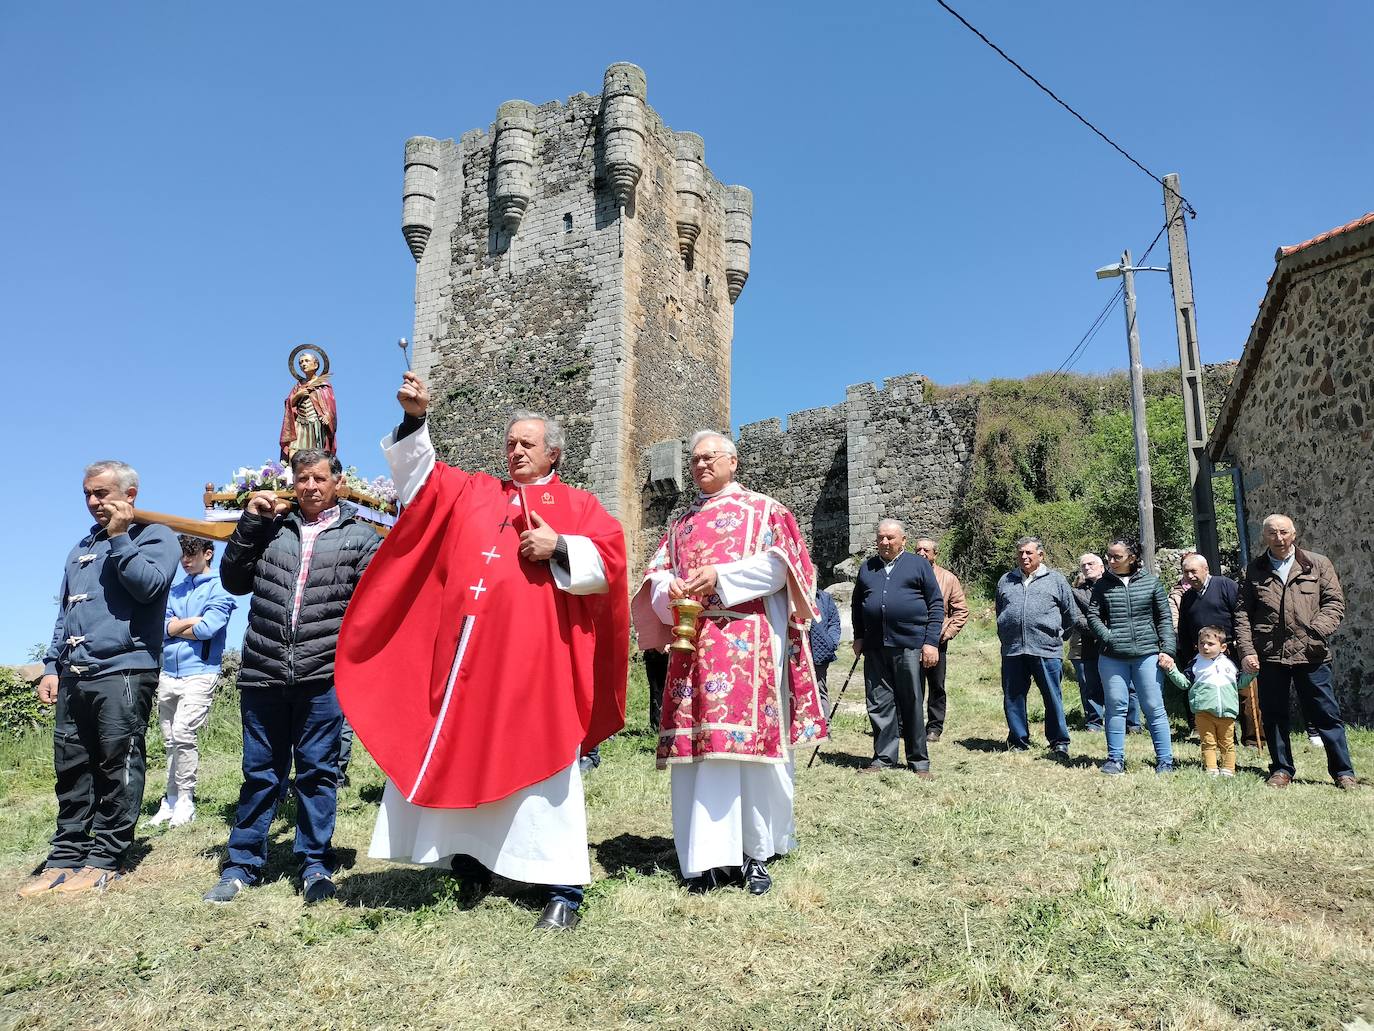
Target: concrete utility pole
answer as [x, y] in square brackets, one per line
[1190, 368]
[1144, 504]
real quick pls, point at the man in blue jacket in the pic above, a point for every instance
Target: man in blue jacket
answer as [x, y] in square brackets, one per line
[198, 611]
[100, 671]
[1035, 610]
[898, 614]
[825, 640]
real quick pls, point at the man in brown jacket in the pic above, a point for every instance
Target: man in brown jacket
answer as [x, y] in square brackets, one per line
[956, 615]
[1290, 605]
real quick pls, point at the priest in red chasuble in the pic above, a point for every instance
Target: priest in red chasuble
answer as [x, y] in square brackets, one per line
[734, 708]
[485, 651]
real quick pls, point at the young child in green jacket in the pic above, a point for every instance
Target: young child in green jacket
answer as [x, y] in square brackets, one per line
[1215, 701]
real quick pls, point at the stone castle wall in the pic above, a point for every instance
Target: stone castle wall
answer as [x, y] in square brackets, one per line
[1304, 440]
[885, 452]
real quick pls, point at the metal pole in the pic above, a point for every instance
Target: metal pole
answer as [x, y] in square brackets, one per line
[1190, 369]
[1144, 506]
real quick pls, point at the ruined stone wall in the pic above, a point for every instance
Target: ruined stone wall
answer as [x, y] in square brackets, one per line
[805, 467]
[1304, 440]
[908, 457]
[885, 452]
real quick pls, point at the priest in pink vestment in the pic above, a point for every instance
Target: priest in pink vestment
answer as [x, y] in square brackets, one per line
[734, 708]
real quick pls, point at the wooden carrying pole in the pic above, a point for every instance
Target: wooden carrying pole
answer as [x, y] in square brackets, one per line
[202, 528]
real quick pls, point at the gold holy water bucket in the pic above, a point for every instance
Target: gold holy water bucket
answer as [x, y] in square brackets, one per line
[688, 611]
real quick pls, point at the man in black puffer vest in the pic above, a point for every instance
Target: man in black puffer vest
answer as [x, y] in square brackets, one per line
[301, 563]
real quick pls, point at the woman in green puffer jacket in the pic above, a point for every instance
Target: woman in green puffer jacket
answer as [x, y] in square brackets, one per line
[1129, 614]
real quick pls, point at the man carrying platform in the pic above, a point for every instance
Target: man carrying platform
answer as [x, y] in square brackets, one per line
[484, 653]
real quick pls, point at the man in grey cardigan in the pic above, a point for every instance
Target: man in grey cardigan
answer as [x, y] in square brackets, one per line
[1035, 610]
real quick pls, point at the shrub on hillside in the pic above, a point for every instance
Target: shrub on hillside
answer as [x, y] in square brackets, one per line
[20, 709]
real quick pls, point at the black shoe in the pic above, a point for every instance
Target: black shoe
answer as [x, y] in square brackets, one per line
[756, 879]
[318, 888]
[557, 916]
[708, 881]
[474, 880]
[1060, 753]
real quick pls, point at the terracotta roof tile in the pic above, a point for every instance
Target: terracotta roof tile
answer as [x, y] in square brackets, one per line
[1364, 220]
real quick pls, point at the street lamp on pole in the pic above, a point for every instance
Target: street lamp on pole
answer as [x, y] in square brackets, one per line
[1144, 502]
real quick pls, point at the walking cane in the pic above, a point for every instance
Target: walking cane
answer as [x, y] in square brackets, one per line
[836, 707]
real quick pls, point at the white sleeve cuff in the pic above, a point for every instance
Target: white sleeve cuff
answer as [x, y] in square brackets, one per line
[586, 573]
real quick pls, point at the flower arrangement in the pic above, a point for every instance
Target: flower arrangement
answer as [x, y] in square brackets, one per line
[378, 493]
[248, 481]
[379, 487]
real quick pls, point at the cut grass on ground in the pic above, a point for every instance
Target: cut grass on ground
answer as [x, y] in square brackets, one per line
[1010, 893]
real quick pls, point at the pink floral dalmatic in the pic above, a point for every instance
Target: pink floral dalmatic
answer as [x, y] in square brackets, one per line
[723, 699]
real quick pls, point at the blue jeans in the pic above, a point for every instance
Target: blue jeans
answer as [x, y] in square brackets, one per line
[1017, 673]
[1118, 677]
[279, 724]
[1089, 692]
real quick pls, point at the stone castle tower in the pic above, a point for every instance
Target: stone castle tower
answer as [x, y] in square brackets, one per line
[579, 259]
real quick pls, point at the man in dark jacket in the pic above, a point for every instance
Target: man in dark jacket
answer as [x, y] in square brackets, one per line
[825, 639]
[1290, 605]
[301, 563]
[101, 671]
[898, 614]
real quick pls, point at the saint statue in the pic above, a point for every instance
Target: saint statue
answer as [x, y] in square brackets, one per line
[311, 419]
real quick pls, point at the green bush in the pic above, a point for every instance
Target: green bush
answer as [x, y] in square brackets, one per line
[20, 709]
[1054, 457]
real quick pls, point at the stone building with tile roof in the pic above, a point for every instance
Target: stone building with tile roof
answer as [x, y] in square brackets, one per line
[1298, 425]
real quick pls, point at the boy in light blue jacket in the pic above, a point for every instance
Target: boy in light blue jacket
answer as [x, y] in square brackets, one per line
[197, 623]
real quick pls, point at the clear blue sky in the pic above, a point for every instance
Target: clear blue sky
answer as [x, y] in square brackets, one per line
[189, 190]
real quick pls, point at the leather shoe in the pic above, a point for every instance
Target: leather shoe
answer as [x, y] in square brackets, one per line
[710, 880]
[924, 774]
[1279, 779]
[875, 767]
[1347, 783]
[932, 735]
[756, 879]
[557, 916]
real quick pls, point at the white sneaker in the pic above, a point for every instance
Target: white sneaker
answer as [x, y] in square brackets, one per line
[1314, 740]
[184, 811]
[164, 812]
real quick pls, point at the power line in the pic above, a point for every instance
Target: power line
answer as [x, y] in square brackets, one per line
[1081, 348]
[1055, 97]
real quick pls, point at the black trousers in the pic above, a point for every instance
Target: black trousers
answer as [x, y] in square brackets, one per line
[100, 757]
[892, 692]
[933, 681]
[656, 669]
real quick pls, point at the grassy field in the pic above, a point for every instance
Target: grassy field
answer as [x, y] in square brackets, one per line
[1010, 893]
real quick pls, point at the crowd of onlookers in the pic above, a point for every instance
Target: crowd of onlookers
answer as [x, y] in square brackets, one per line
[126, 639]
[1234, 651]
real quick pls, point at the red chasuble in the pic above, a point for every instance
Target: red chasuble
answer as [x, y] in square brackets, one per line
[463, 668]
[723, 700]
